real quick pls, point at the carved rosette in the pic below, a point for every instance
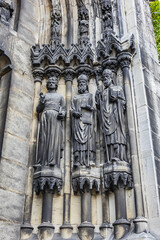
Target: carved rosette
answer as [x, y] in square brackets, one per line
[117, 172]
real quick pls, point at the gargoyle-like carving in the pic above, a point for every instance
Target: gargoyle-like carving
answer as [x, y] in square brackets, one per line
[6, 11]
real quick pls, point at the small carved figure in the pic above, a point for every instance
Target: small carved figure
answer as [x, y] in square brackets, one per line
[107, 14]
[50, 144]
[83, 125]
[111, 107]
[55, 23]
[84, 27]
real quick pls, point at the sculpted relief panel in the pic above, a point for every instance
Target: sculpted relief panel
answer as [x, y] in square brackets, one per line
[81, 121]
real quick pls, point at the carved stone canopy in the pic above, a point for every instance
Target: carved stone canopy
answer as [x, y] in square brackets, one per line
[117, 172]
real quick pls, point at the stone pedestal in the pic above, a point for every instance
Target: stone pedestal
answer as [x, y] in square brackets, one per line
[121, 227]
[106, 230]
[46, 231]
[66, 231]
[141, 225]
[26, 231]
[86, 231]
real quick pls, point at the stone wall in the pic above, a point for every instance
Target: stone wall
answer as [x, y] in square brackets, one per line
[29, 25]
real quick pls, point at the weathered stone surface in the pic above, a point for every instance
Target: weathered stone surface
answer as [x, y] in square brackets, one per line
[15, 148]
[20, 102]
[23, 82]
[12, 206]
[18, 125]
[13, 176]
[9, 231]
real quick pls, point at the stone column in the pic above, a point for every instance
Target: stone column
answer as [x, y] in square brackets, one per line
[26, 228]
[66, 228]
[121, 225]
[124, 59]
[106, 227]
[86, 228]
[46, 228]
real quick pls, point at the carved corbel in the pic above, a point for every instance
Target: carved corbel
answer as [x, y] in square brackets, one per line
[69, 74]
[124, 59]
[38, 74]
[53, 71]
[84, 69]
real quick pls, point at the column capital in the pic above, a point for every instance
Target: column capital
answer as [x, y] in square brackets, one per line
[38, 74]
[69, 74]
[124, 59]
[110, 63]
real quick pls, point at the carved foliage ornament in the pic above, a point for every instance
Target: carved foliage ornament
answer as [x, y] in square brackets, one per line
[53, 183]
[79, 183]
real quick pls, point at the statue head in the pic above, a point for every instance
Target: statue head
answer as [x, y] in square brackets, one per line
[82, 83]
[84, 26]
[52, 83]
[107, 77]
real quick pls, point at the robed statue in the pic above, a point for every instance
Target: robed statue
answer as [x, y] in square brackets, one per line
[111, 110]
[83, 125]
[50, 144]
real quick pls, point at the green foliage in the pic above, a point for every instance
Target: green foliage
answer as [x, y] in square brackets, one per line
[155, 11]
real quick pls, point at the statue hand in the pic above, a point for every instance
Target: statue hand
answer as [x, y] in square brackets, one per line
[88, 107]
[77, 114]
[60, 116]
[42, 97]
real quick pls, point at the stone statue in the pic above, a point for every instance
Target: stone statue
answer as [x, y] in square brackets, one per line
[83, 125]
[50, 144]
[111, 107]
[55, 23]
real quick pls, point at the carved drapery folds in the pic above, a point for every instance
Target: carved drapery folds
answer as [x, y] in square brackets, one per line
[54, 61]
[6, 11]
